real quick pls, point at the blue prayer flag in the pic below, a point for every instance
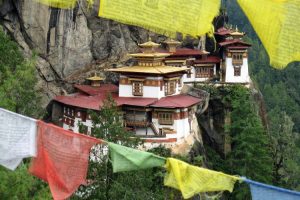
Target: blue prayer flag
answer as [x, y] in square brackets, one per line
[260, 191]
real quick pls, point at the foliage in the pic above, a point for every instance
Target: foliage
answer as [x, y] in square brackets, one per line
[285, 152]
[18, 94]
[20, 185]
[18, 91]
[250, 144]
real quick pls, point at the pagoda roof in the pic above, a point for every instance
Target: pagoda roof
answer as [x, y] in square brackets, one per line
[172, 41]
[209, 59]
[236, 42]
[150, 55]
[237, 33]
[223, 31]
[90, 90]
[177, 101]
[149, 69]
[149, 44]
[95, 78]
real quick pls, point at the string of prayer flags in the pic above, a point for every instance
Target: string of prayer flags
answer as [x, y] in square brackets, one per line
[191, 180]
[260, 191]
[167, 17]
[277, 24]
[62, 159]
[17, 138]
[64, 4]
[128, 159]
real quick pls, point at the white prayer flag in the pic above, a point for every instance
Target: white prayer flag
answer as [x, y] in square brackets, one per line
[17, 138]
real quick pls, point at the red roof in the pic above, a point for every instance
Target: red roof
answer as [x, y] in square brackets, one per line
[176, 101]
[223, 31]
[135, 101]
[103, 89]
[187, 52]
[209, 59]
[88, 102]
[95, 102]
[234, 42]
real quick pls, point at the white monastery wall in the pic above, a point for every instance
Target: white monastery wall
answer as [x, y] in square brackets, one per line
[243, 78]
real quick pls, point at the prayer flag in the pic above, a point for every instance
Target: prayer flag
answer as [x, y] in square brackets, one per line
[62, 159]
[189, 17]
[277, 24]
[64, 4]
[128, 159]
[191, 180]
[260, 191]
[17, 138]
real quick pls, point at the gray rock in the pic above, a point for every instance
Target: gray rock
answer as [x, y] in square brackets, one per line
[67, 41]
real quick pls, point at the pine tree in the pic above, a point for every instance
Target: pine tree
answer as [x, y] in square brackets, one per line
[251, 152]
[18, 80]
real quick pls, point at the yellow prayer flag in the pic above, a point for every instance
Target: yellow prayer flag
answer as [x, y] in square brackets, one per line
[191, 180]
[277, 23]
[189, 17]
[64, 4]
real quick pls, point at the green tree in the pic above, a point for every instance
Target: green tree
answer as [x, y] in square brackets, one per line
[18, 94]
[251, 155]
[18, 80]
[19, 185]
[285, 152]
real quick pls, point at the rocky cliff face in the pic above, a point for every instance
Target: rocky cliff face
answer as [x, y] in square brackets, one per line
[217, 117]
[69, 43]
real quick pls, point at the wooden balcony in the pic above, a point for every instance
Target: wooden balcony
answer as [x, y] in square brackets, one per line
[237, 62]
[136, 123]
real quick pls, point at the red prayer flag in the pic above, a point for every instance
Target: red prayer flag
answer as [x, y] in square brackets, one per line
[62, 159]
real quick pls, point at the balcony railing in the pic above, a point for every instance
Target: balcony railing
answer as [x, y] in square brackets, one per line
[136, 123]
[237, 62]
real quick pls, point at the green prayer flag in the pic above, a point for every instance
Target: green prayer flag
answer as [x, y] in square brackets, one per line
[128, 159]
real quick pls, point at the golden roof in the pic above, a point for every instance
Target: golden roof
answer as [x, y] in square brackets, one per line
[171, 41]
[150, 55]
[205, 52]
[237, 32]
[150, 70]
[95, 78]
[149, 44]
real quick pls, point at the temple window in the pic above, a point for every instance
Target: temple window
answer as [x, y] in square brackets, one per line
[165, 118]
[83, 116]
[170, 87]
[189, 74]
[179, 82]
[237, 71]
[204, 72]
[137, 88]
[237, 59]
